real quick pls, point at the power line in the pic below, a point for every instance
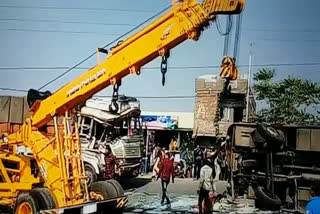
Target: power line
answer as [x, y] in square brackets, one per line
[287, 40]
[94, 53]
[74, 8]
[283, 30]
[65, 22]
[138, 97]
[58, 31]
[13, 89]
[155, 97]
[171, 67]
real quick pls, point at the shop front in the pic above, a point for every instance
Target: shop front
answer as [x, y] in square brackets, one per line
[169, 131]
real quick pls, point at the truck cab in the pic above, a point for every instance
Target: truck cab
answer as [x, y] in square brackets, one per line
[121, 131]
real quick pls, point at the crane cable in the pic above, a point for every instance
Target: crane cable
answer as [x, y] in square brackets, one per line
[228, 69]
[91, 55]
[237, 37]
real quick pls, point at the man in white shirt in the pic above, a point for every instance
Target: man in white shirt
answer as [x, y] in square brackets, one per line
[206, 185]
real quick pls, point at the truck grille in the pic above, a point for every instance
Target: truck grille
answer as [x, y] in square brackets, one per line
[132, 152]
[127, 150]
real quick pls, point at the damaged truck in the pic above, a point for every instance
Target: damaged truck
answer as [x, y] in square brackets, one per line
[275, 165]
[121, 130]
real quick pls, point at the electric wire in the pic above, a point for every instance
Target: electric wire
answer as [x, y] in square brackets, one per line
[154, 97]
[171, 67]
[65, 22]
[94, 53]
[13, 89]
[58, 31]
[74, 8]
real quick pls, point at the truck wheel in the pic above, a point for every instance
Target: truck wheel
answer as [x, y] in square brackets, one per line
[90, 173]
[25, 204]
[250, 163]
[43, 198]
[266, 200]
[270, 134]
[117, 187]
[104, 188]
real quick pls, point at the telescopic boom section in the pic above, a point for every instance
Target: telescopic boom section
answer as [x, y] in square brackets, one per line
[185, 20]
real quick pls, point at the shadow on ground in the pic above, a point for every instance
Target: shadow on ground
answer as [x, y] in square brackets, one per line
[133, 183]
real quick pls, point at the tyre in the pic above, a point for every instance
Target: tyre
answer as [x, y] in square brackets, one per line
[250, 164]
[90, 173]
[104, 188]
[273, 136]
[267, 200]
[25, 204]
[43, 198]
[117, 186]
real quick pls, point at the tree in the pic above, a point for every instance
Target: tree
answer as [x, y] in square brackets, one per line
[289, 101]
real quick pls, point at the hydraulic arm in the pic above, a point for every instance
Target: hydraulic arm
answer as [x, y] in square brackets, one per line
[59, 158]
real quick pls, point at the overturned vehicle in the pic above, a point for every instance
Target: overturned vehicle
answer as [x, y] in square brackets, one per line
[99, 128]
[276, 166]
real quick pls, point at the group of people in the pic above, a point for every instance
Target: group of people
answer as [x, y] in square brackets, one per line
[163, 168]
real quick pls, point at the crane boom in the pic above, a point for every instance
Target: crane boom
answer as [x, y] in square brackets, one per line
[184, 21]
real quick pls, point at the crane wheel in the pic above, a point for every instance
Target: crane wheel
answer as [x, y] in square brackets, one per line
[43, 198]
[117, 187]
[25, 204]
[103, 188]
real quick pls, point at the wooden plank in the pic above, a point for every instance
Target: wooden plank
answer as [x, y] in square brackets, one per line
[315, 140]
[26, 113]
[16, 110]
[4, 108]
[303, 139]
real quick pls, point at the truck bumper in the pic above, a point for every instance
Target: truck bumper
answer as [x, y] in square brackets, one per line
[111, 205]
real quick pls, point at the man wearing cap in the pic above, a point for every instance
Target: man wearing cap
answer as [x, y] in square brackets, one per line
[206, 185]
[165, 171]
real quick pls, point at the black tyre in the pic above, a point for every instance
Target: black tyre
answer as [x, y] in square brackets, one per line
[104, 188]
[271, 135]
[250, 164]
[43, 198]
[25, 204]
[266, 200]
[117, 186]
[90, 173]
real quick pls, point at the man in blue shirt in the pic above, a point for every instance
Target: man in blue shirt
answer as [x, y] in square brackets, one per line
[313, 207]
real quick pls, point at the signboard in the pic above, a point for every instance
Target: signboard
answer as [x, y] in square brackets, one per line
[159, 122]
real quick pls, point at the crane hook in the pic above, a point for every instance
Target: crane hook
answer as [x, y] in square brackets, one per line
[114, 107]
[164, 68]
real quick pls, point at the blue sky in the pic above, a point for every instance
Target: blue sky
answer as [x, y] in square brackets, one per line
[285, 32]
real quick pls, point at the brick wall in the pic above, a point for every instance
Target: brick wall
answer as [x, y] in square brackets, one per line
[204, 114]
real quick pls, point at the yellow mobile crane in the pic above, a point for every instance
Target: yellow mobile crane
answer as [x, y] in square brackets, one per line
[42, 174]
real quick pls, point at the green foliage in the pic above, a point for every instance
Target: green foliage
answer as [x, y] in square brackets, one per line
[288, 100]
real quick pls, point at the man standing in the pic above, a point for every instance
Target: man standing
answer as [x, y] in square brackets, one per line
[198, 158]
[206, 185]
[110, 161]
[165, 171]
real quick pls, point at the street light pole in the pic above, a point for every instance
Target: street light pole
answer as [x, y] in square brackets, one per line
[249, 82]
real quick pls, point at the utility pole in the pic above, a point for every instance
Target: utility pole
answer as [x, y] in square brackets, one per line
[249, 82]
